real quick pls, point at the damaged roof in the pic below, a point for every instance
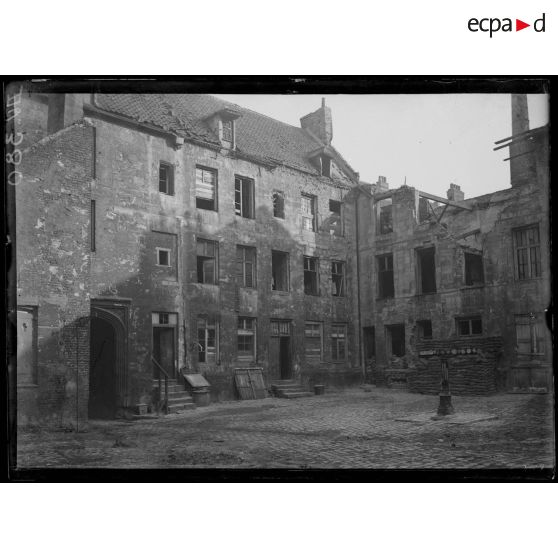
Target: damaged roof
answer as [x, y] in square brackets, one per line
[186, 115]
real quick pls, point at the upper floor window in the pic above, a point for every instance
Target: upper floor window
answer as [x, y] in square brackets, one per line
[469, 326]
[426, 270]
[325, 166]
[227, 130]
[207, 261]
[385, 276]
[163, 257]
[278, 204]
[279, 271]
[335, 222]
[338, 278]
[527, 252]
[244, 197]
[474, 274]
[386, 219]
[311, 276]
[246, 265]
[206, 188]
[308, 209]
[166, 178]
[424, 329]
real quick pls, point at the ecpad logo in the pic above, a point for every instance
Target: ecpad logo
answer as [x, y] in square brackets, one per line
[493, 25]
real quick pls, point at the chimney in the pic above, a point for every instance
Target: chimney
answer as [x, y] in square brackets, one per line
[522, 166]
[520, 114]
[382, 184]
[455, 193]
[319, 123]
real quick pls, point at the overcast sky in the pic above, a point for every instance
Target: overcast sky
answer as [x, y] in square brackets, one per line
[431, 140]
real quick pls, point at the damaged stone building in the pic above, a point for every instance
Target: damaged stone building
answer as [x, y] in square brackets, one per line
[162, 235]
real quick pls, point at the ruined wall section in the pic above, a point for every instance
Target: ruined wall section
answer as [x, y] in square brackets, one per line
[53, 264]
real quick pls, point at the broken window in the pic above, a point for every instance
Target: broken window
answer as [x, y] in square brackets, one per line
[386, 219]
[338, 278]
[207, 340]
[396, 340]
[227, 130]
[529, 335]
[338, 342]
[279, 271]
[310, 276]
[207, 261]
[369, 340]
[244, 197]
[206, 188]
[474, 274]
[385, 276]
[313, 341]
[278, 204]
[424, 329]
[527, 252]
[469, 326]
[308, 209]
[426, 270]
[246, 338]
[334, 222]
[246, 265]
[423, 210]
[26, 345]
[163, 257]
[166, 178]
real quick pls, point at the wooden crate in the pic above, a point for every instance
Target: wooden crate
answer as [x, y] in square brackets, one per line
[250, 383]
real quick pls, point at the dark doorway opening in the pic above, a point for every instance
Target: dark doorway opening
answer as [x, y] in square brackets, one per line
[102, 377]
[284, 357]
[426, 270]
[164, 349]
[369, 337]
[396, 340]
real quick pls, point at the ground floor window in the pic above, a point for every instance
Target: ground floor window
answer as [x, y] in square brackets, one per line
[246, 340]
[313, 341]
[339, 342]
[469, 326]
[207, 340]
[529, 334]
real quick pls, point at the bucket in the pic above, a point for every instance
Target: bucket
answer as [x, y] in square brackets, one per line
[319, 389]
[201, 397]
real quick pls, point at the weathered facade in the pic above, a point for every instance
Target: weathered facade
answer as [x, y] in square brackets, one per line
[209, 238]
[182, 233]
[461, 281]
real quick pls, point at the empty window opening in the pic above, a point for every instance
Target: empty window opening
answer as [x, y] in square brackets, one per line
[424, 329]
[527, 252]
[246, 265]
[385, 276]
[246, 340]
[469, 326]
[369, 340]
[207, 340]
[26, 345]
[308, 209]
[278, 205]
[227, 130]
[163, 257]
[207, 261]
[244, 197]
[335, 222]
[529, 333]
[279, 271]
[93, 231]
[311, 276]
[338, 278]
[474, 274]
[423, 210]
[396, 340]
[325, 166]
[386, 219]
[166, 179]
[206, 188]
[426, 264]
[313, 341]
[338, 342]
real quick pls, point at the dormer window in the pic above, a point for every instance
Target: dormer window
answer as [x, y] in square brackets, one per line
[227, 127]
[325, 166]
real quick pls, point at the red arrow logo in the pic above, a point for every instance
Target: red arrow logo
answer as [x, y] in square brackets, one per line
[519, 25]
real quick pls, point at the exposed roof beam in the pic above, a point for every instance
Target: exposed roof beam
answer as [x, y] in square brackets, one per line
[461, 205]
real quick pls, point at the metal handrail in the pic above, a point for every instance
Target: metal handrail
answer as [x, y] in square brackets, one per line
[159, 370]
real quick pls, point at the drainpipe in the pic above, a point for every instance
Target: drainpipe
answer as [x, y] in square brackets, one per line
[361, 356]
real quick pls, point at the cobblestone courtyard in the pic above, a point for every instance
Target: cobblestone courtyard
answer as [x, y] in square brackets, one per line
[351, 429]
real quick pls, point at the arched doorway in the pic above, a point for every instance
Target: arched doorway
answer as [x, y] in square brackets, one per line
[107, 370]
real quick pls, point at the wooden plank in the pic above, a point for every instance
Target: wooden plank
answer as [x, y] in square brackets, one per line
[258, 384]
[461, 205]
[243, 385]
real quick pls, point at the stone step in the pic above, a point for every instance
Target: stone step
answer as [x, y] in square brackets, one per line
[283, 382]
[171, 387]
[178, 407]
[294, 394]
[175, 398]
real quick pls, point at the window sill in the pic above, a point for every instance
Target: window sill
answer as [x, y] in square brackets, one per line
[312, 294]
[273, 291]
[469, 287]
[27, 386]
[205, 209]
[165, 194]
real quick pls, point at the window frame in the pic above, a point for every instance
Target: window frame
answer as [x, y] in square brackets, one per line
[383, 227]
[518, 275]
[308, 217]
[320, 329]
[334, 337]
[215, 259]
[467, 279]
[239, 196]
[536, 339]
[421, 331]
[210, 324]
[241, 263]
[281, 194]
[246, 332]
[336, 219]
[169, 182]
[469, 320]
[380, 271]
[316, 274]
[201, 199]
[343, 278]
[287, 274]
[167, 251]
